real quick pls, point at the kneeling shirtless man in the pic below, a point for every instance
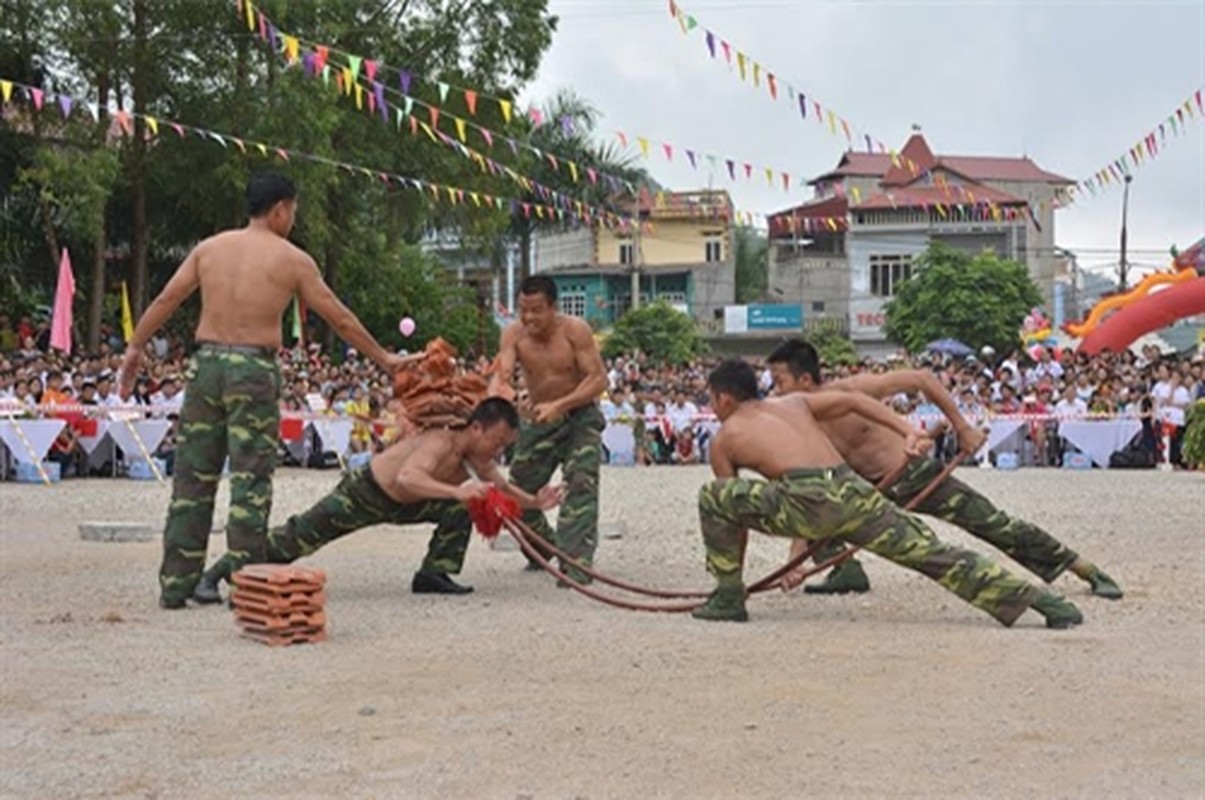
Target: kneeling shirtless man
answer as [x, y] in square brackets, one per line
[427, 478]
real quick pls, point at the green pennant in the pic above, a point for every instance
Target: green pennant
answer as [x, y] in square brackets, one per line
[443, 93]
[354, 63]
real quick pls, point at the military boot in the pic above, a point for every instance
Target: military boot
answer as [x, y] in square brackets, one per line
[206, 592]
[1104, 586]
[844, 578]
[726, 604]
[1059, 613]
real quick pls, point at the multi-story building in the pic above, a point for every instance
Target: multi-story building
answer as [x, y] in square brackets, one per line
[682, 254]
[844, 253]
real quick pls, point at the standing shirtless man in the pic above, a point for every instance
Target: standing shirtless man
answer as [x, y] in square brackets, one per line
[565, 376]
[231, 408]
[875, 451]
[810, 493]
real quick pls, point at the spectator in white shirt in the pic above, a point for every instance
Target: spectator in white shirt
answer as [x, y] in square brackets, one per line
[1084, 389]
[169, 398]
[1171, 403]
[1071, 405]
[682, 412]
[616, 406]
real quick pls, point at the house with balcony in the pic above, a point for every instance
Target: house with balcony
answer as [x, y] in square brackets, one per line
[682, 253]
[844, 253]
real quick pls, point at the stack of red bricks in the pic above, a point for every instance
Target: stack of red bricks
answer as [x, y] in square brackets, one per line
[280, 604]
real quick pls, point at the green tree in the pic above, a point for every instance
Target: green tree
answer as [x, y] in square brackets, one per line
[834, 347]
[751, 251]
[978, 300]
[659, 331]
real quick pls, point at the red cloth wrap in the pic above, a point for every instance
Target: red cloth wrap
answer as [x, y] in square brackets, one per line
[490, 511]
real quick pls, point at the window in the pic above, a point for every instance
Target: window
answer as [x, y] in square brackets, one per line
[673, 298]
[627, 253]
[573, 304]
[887, 273]
[818, 305]
[713, 248]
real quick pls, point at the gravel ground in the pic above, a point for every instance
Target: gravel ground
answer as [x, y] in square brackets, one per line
[522, 690]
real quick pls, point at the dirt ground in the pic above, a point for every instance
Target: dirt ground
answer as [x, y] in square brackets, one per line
[523, 690]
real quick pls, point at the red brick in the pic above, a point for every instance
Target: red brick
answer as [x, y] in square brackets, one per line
[285, 639]
[270, 621]
[264, 601]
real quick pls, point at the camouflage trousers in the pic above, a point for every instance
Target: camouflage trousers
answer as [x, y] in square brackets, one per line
[835, 502]
[358, 502]
[955, 502]
[230, 410]
[575, 445]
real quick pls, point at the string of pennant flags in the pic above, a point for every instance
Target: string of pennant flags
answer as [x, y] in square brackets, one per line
[357, 76]
[780, 90]
[1142, 151]
[749, 68]
[67, 105]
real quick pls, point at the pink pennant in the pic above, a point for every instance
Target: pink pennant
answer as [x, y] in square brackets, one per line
[179, 130]
[537, 116]
[470, 100]
[590, 173]
[489, 137]
[37, 96]
[727, 48]
[669, 151]
[748, 170]
[370, 69]
[623, 139]
[282, 153]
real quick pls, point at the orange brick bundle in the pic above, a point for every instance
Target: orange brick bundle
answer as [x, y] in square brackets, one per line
[435, 392]
[280, 604]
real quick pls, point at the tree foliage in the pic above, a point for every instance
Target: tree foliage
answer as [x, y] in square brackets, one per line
[659, 331]
[834, 347]
[751, 251]
[134, 205]
[978, 300]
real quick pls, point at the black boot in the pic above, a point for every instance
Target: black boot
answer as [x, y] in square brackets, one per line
[206, 593]
[437, 583]
[844, 578]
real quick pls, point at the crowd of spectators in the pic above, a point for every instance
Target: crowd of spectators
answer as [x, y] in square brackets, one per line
[667, 406]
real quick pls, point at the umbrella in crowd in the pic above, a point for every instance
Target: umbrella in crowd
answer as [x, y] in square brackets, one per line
[949, 347]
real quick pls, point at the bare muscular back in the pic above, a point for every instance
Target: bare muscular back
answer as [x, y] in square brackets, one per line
[775, 436]
[436, 445]
[247, 278]
[871, 449]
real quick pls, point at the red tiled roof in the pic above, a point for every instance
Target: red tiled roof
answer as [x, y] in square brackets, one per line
[994, 168]
[869, 165]
[925, 196]
[832, 206]
[915, 159]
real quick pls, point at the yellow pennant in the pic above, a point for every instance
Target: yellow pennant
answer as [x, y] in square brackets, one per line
[427, 130]
[476, 199]
[644, 145]
[769, 176]
[459, 128]
[740, 64]
[262, 149]
[540, 212]
[832, 123]
[359, 96]
[291, 48]
[756, 74]
[573, 171]
[250, 17]
[452, 195]
[857, 193]
[505, 107]
[6, 89]
[348, 79]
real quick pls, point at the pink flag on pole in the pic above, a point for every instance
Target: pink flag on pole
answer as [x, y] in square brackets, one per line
[64, 292]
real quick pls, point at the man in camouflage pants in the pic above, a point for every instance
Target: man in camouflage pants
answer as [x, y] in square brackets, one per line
[565, 376]
[246, 278]
[425, 478]
[875, 451]
[811, 494]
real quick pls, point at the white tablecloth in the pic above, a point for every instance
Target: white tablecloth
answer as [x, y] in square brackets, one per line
[1004, 435]
[1099, 438]
[40, 434]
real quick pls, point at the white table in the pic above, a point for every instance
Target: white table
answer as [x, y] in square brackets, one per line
[1099, 438]
[40, 433]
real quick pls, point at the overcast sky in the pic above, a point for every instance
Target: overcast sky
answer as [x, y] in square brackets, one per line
[1071, 84]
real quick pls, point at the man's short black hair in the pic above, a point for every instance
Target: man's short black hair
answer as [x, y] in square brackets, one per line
[493, 410]
[265, 190]
[539, 284]
[734, 378]
[799, 357]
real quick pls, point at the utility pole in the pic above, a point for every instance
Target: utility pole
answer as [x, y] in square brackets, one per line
[1125, 205]
[636, 258]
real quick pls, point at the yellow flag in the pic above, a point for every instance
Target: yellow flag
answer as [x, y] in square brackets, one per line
[459, 127]
[505, 105]
[292, 47]
[359, 96]
[832, 123]
[644, 145]
[127, 318]
[573, 171]
[6, 89]
[740, 63]
[250, 17]
[153, 124]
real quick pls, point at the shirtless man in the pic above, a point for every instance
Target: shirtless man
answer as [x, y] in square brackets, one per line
[426, 478]
[247, 278]
[811, 493]
[875, 451]
[565, 376]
